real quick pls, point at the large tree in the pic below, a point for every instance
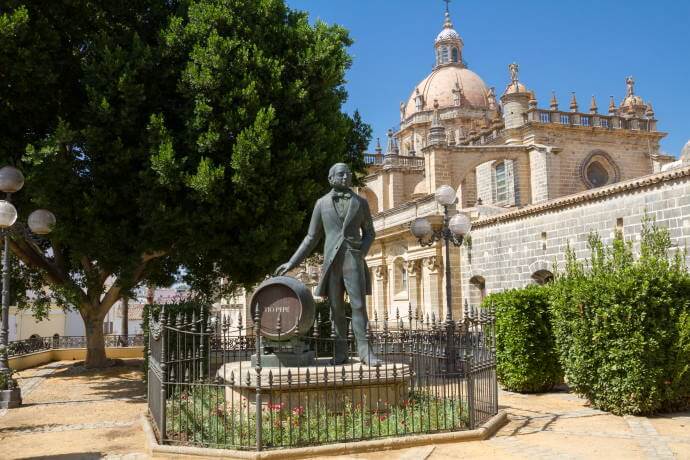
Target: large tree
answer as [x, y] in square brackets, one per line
[166, 134]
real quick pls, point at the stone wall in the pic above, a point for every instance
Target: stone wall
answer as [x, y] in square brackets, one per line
[508, 249]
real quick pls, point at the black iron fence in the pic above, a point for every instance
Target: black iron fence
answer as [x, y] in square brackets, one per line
[212, 384]
[36, 344]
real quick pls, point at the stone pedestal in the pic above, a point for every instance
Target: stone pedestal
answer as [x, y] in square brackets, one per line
[317, 387]
[9, 399]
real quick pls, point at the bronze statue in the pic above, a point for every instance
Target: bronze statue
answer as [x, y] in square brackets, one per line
[344, 219]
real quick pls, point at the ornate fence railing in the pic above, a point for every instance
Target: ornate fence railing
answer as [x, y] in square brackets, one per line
[35, 344]
[212, 385]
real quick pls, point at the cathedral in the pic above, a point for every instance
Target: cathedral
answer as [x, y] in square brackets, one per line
[532, 179]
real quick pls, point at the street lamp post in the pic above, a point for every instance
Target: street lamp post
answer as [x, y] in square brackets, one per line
[40, 222]
[453, 231]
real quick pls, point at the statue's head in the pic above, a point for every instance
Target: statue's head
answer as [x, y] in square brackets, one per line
[340, 176]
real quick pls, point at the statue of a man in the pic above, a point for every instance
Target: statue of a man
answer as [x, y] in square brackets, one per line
[344, 219]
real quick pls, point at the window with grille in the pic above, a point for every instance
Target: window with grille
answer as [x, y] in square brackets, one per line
[545, 117]
[604, 123]
[585, 121]
[565, 119]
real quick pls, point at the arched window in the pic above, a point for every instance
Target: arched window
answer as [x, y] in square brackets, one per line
[542, 277]
[444, 54]
[400, 281]
[477, 290]
[455, 55]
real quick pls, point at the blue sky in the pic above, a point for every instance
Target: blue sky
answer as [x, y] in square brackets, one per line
[588, 46]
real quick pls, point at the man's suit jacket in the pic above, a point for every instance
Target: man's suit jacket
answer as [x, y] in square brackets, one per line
[341, 234]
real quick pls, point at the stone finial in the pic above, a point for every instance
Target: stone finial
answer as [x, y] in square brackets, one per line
[612, 106]
[437, 133]
[649, 113]
[685, 153]
[593, 105]
[630, 83]
[378, 146]
[554, 101]
[532, 100]
[573, 103]
[491, 96]
[514, 69]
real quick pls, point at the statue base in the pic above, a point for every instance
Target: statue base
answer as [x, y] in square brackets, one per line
[291, 353]
[317, 387]
[285, 359]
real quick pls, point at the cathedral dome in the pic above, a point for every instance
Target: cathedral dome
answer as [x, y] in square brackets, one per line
[450, 85]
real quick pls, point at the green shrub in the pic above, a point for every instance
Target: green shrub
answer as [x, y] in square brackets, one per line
[525, 348]
[622, 325]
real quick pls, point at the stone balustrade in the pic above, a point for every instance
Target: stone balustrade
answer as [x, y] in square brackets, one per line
[400, 161]
[587, 120]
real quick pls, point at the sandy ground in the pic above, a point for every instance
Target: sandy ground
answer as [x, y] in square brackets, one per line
[73, 413]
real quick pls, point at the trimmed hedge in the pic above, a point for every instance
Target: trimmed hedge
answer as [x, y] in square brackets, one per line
[622, 325]
[527, 361]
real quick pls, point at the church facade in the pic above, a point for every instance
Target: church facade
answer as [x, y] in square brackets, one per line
[526, 174]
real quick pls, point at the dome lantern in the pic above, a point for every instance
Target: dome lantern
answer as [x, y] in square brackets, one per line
[448, 44]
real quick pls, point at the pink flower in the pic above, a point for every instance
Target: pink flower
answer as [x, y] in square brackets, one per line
[299, 410]
[276, 407]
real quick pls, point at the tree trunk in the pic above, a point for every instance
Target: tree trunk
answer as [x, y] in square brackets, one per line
[95, 343]
[125, 321]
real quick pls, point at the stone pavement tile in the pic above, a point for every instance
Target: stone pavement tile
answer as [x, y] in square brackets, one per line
[70, 383]
[548, 445]
[47, 415]
[583, 422]
[680, 450]
[675, 424]
[87, 443]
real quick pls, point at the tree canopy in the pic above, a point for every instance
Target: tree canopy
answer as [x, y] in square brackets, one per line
[168, 133]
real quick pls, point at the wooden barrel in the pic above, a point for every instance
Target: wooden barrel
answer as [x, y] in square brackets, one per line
[287, 298]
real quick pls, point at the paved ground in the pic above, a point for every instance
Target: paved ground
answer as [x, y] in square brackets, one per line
[71, 413]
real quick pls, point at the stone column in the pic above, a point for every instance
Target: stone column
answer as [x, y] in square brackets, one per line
[433, 301]
[380, 290]
[413, 280]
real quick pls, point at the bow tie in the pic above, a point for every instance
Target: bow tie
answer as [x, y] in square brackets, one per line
[342, 195]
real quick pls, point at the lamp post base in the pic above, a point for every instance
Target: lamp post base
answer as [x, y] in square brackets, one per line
[9, 399]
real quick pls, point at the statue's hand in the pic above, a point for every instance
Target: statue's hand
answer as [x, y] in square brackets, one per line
[283, 269]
